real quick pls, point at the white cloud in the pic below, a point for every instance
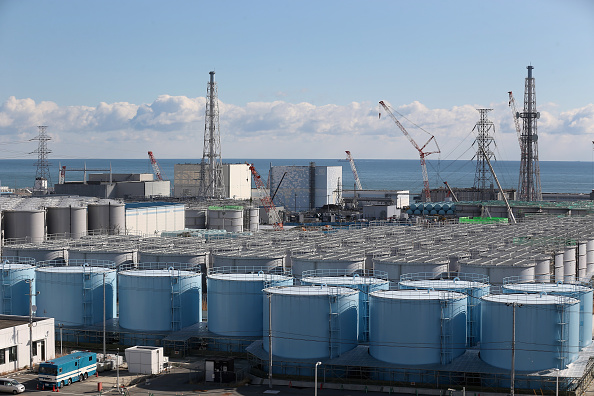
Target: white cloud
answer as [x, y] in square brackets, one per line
[174, 126]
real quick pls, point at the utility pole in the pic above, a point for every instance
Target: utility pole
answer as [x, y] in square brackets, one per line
[270, 340]
[32, 308]
[514, 305]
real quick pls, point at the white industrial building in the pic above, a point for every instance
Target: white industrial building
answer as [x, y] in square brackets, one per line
[237, 179]
[14, 341]
[152, 218]
[146, 360]
[305, 187]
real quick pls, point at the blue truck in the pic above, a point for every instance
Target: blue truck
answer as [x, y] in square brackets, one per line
[67, 369]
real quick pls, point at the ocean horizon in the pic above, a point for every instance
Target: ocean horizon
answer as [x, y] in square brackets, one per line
[374, 174]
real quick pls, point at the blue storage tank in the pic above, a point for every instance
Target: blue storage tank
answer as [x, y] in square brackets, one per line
[412, 327]
[366, 282]
[235, 299]
[311, 322]
[153, 299]
[473, 287]
[547, 331]
[15, 272]
[580, 292]
[72, 294]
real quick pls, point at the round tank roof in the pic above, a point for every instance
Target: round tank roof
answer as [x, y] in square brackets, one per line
[443, 283]
[249, 277]
[417, 295]
[75, 269]
[157, 273]
[16, 266]
[546, 287]
[310, 290]
[530, 299]
[343, 280]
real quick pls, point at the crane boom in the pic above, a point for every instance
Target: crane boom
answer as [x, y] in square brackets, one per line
[354, 169]
[422, 154]
[512, 105]
[156, 169]
[266, 201]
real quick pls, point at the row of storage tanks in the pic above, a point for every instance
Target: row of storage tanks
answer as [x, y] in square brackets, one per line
[426, 321]
[432, 208]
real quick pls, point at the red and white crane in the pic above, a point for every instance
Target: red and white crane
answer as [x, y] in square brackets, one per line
[156, 169]
[354, 169]
[422, 154]
[266, 201]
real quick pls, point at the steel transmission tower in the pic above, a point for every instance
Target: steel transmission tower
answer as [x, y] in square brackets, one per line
[42, 175]
[529, 186]
[211, 178]
[483, 179]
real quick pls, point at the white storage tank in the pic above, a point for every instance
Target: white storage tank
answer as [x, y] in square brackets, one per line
[16, 273]
[397, 265]
[498, 269]
[412, 327]
[46, 251]
[311, 322]
[67, 220]
[152, 298]
[72, 294]
[124, 254]
[250, 258]
[547, 331]
[235, 298]
[222, 218]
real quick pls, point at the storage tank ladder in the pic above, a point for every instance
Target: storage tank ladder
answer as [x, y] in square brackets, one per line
[87, 299]
[472, 324]
[562, 341]
[446, 333]
[364, 309]
[175, 301]
[6, 293]
[334, 327]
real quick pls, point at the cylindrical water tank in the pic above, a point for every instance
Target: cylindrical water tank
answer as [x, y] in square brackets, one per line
[119, 255]
[569, 267]
[38, 252]
[590, 258]
[366, 282]
[396, 266]
[253, 216]
[159, 299]
[414, 327]
[250, 258]
[582, 264]
[546, 328]
[235, 300]
[543, 268]
[498, 269]
[559, 272]
[24, 224]
[230, 220]
[311, 322]
[474, 289]
[15, 275]
[329, 261]
[580, 292]
[73, 294]
[68, 220]
[109, 216]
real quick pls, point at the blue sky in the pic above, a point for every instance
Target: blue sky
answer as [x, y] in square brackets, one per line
[131, 75]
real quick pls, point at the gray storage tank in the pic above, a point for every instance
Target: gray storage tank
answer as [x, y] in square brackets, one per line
[16, 273]
[413, 327]
[23, 224]
[350, 263]
[46, 251]
[311, 322]
[152, 298]
[109, 216]
[72, 294]
[67, 220]
[235, 298]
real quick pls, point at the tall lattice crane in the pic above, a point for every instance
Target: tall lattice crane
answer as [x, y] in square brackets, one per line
[354, 169]
[266, 201]
[516, 117]
[422, 154]
[156, 169]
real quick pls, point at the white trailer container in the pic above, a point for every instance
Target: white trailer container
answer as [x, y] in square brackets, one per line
[146, 360]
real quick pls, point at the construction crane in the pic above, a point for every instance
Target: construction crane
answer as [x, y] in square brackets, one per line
[354, 169]
[515, 116]
[156, 169]
[451, 191]
[422, 154]
[266, 201]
